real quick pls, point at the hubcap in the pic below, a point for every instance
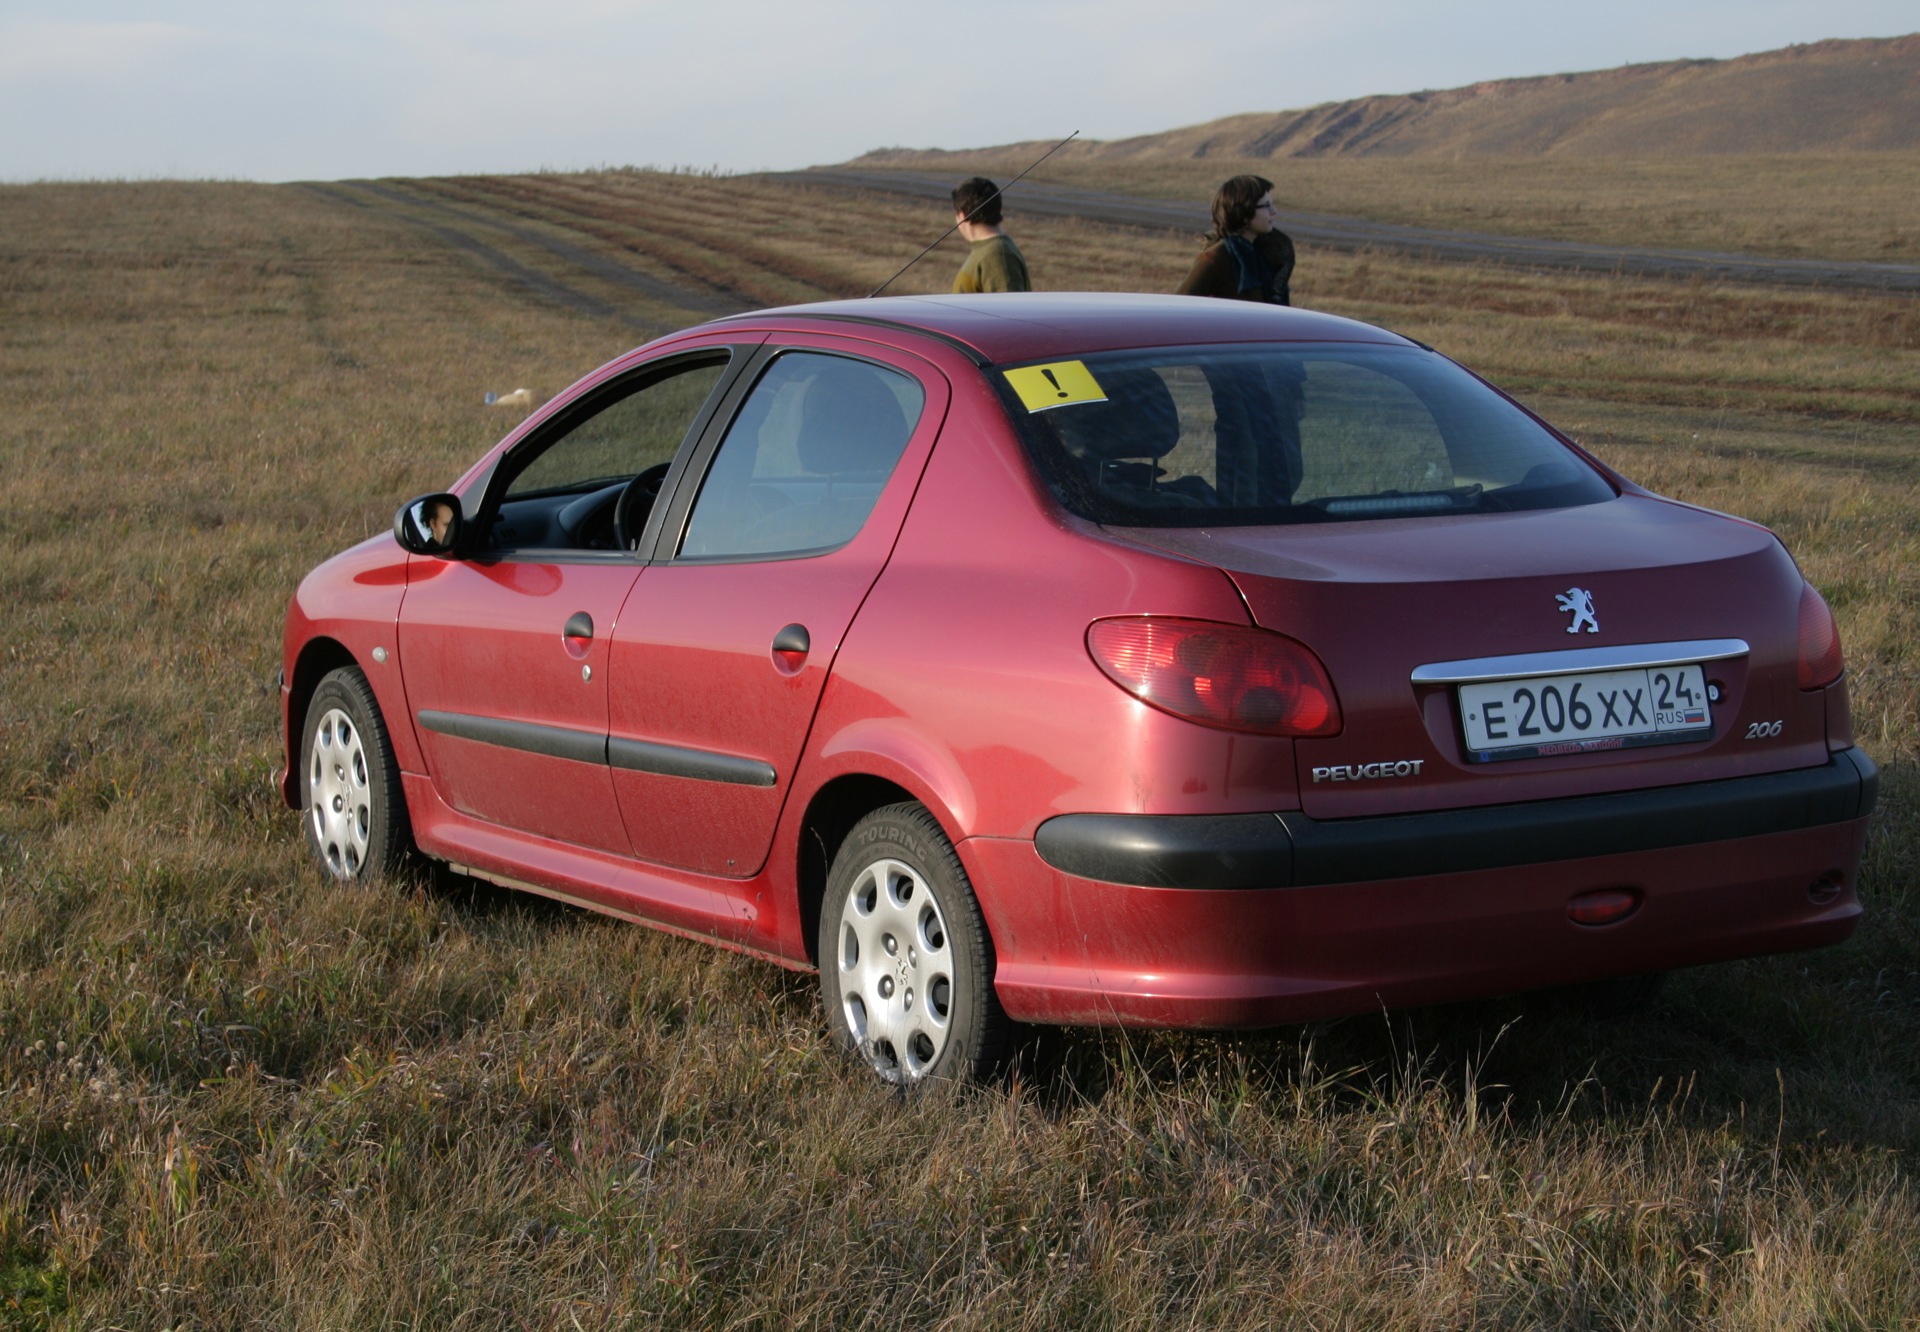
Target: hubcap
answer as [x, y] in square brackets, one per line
[896, 971]
[340, 803]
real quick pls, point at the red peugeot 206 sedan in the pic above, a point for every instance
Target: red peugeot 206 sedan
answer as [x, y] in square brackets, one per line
[1086, 659]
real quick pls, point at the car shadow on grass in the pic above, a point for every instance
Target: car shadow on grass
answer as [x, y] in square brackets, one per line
[480, 901]
[1818, 1045]
[1761, 1044]
[488, 907]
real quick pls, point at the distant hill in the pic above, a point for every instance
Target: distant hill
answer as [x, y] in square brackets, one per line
[1834, 96]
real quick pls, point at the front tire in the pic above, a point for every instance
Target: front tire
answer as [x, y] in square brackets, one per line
[356, 817]
[906, 964]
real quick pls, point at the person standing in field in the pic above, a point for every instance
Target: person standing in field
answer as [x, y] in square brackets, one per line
[994, 263]
[1247, 258]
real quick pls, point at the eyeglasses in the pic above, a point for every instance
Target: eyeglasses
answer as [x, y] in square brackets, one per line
[1266, 206]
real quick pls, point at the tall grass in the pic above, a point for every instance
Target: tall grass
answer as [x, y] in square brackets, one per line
[233, 1094]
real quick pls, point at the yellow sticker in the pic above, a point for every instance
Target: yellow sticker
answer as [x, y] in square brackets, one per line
[1056, 385]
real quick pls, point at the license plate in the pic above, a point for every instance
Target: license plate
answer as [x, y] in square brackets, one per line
[1577, 714]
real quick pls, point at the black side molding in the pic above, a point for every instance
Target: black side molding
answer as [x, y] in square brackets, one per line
[553, 741]
[1292, 850]
[699, 764]
[593, 747]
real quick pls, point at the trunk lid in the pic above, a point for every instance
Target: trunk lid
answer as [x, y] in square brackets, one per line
[1379, 599]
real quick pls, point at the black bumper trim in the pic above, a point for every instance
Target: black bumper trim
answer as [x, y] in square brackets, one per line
[1291, 850]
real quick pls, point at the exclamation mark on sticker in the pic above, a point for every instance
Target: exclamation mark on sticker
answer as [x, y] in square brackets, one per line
[1051, 380]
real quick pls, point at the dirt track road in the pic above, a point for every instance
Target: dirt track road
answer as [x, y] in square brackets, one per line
[1343, 233]
[457, 226]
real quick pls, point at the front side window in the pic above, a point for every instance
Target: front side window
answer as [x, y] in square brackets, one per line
[590, 487]
[623, 439]
[1288, 434]
[806, 458]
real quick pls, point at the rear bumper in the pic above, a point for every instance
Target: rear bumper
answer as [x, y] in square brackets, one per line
[1290, 849]
[1276, 919]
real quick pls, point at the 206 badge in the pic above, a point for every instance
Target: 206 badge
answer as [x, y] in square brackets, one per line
[1578, 602]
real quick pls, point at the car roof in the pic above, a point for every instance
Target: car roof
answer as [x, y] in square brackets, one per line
[1021, 326]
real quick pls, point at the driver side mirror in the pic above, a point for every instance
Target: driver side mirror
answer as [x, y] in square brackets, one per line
[430, 525]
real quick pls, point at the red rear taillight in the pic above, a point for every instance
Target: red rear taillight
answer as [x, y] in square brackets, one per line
[1820, 660]
[1225, 675]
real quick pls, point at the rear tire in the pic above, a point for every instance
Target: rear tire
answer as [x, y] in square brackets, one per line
[906, 964]
[355, 815]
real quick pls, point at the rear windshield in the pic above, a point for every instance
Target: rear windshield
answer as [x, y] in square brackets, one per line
[1241, 436]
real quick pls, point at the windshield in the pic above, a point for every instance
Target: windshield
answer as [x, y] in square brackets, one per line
[1241, 436]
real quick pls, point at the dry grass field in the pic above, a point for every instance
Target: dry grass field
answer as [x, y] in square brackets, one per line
[1807, 206]
[235, 1095]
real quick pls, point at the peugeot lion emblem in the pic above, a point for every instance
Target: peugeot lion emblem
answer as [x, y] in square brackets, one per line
[1578, 602]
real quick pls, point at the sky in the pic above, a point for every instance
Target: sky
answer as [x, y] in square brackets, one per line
[293, 90]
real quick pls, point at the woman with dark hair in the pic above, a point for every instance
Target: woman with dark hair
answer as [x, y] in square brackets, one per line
[1246, 258]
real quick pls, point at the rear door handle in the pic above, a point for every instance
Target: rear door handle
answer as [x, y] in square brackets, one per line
[790, 648]
[793, 639]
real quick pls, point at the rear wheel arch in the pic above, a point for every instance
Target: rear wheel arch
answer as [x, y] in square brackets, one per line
[831, 814]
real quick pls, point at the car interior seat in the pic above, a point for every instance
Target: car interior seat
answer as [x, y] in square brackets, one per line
[1121, 441]
[852, 431]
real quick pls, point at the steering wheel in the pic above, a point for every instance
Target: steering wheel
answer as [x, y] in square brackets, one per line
[635, 503]
[587, 522]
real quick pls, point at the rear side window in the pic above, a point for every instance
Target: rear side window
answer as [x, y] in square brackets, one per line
[1261, 435]
[805, 460]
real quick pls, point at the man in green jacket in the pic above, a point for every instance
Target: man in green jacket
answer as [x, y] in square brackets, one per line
[994, 263]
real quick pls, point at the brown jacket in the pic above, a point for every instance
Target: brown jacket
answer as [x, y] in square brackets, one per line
[1213, 274]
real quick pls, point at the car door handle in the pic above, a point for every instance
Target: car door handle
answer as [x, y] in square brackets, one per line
[790, 648]
[579, 627]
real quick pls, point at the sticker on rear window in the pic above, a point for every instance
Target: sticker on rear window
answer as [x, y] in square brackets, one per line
[1056, 385]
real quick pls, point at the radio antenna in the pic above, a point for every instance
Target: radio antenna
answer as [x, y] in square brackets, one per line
[976, 208]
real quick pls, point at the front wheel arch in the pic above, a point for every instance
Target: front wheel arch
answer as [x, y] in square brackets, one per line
[318, 658]
[353, 810]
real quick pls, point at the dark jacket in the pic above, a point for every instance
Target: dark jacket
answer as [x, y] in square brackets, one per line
[1215, 274]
